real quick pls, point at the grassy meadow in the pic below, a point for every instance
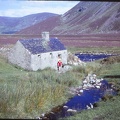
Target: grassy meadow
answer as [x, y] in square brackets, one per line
[111, 50]
[27, 94]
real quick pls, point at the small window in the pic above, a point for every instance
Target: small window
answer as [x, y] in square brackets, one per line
[59, 56]
[51, 55]
[39, 55]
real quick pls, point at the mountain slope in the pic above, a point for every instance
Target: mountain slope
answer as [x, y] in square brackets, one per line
[46, 25]
[90, 17]
[85, 17]
[13, 24]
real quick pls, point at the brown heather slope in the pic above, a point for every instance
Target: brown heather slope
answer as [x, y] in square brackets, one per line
[11, 25]
[84, 40]
[46, 25]
[88, 24]
[90, 17]
[84, 18]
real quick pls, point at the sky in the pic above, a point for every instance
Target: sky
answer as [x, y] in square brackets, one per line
[20, 8]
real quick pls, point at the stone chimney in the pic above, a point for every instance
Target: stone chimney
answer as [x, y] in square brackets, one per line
[45, 36]
[45, 39]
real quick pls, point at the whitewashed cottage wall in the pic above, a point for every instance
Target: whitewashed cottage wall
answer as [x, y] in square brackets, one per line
[49, 59]
[20, 56]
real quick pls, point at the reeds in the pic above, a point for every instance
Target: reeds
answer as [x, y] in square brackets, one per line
[26, 94]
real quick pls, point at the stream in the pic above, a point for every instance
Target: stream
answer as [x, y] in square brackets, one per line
[85, 100]
[91, 57]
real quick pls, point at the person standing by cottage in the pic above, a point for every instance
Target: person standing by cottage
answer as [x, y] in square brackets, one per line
[59, 64]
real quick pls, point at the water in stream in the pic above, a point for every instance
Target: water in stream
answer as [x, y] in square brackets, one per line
[91, 57]
[79, 103]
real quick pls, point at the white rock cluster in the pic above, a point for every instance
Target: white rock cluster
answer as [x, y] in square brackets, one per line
[74, 60]
[91, 81]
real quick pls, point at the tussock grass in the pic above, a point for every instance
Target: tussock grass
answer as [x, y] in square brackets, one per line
[27, 94]
[110, 69]
[30, 93]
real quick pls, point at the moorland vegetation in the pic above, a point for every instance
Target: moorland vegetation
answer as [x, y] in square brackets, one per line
[27, 94]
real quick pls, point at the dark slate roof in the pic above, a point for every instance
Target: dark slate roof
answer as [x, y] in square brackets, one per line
[35, 46]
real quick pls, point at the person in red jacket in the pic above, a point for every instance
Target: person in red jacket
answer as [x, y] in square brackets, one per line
[59, 64]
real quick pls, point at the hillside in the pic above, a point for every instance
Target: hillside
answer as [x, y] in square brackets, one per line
[85, 17]
[88, 24]
[46, 25]
[9, 25]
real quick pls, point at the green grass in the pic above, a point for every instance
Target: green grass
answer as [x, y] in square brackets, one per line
[111, 69]
[94, 49]
[27, 94]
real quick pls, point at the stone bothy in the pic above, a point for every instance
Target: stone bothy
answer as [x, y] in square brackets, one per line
[38, 53]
